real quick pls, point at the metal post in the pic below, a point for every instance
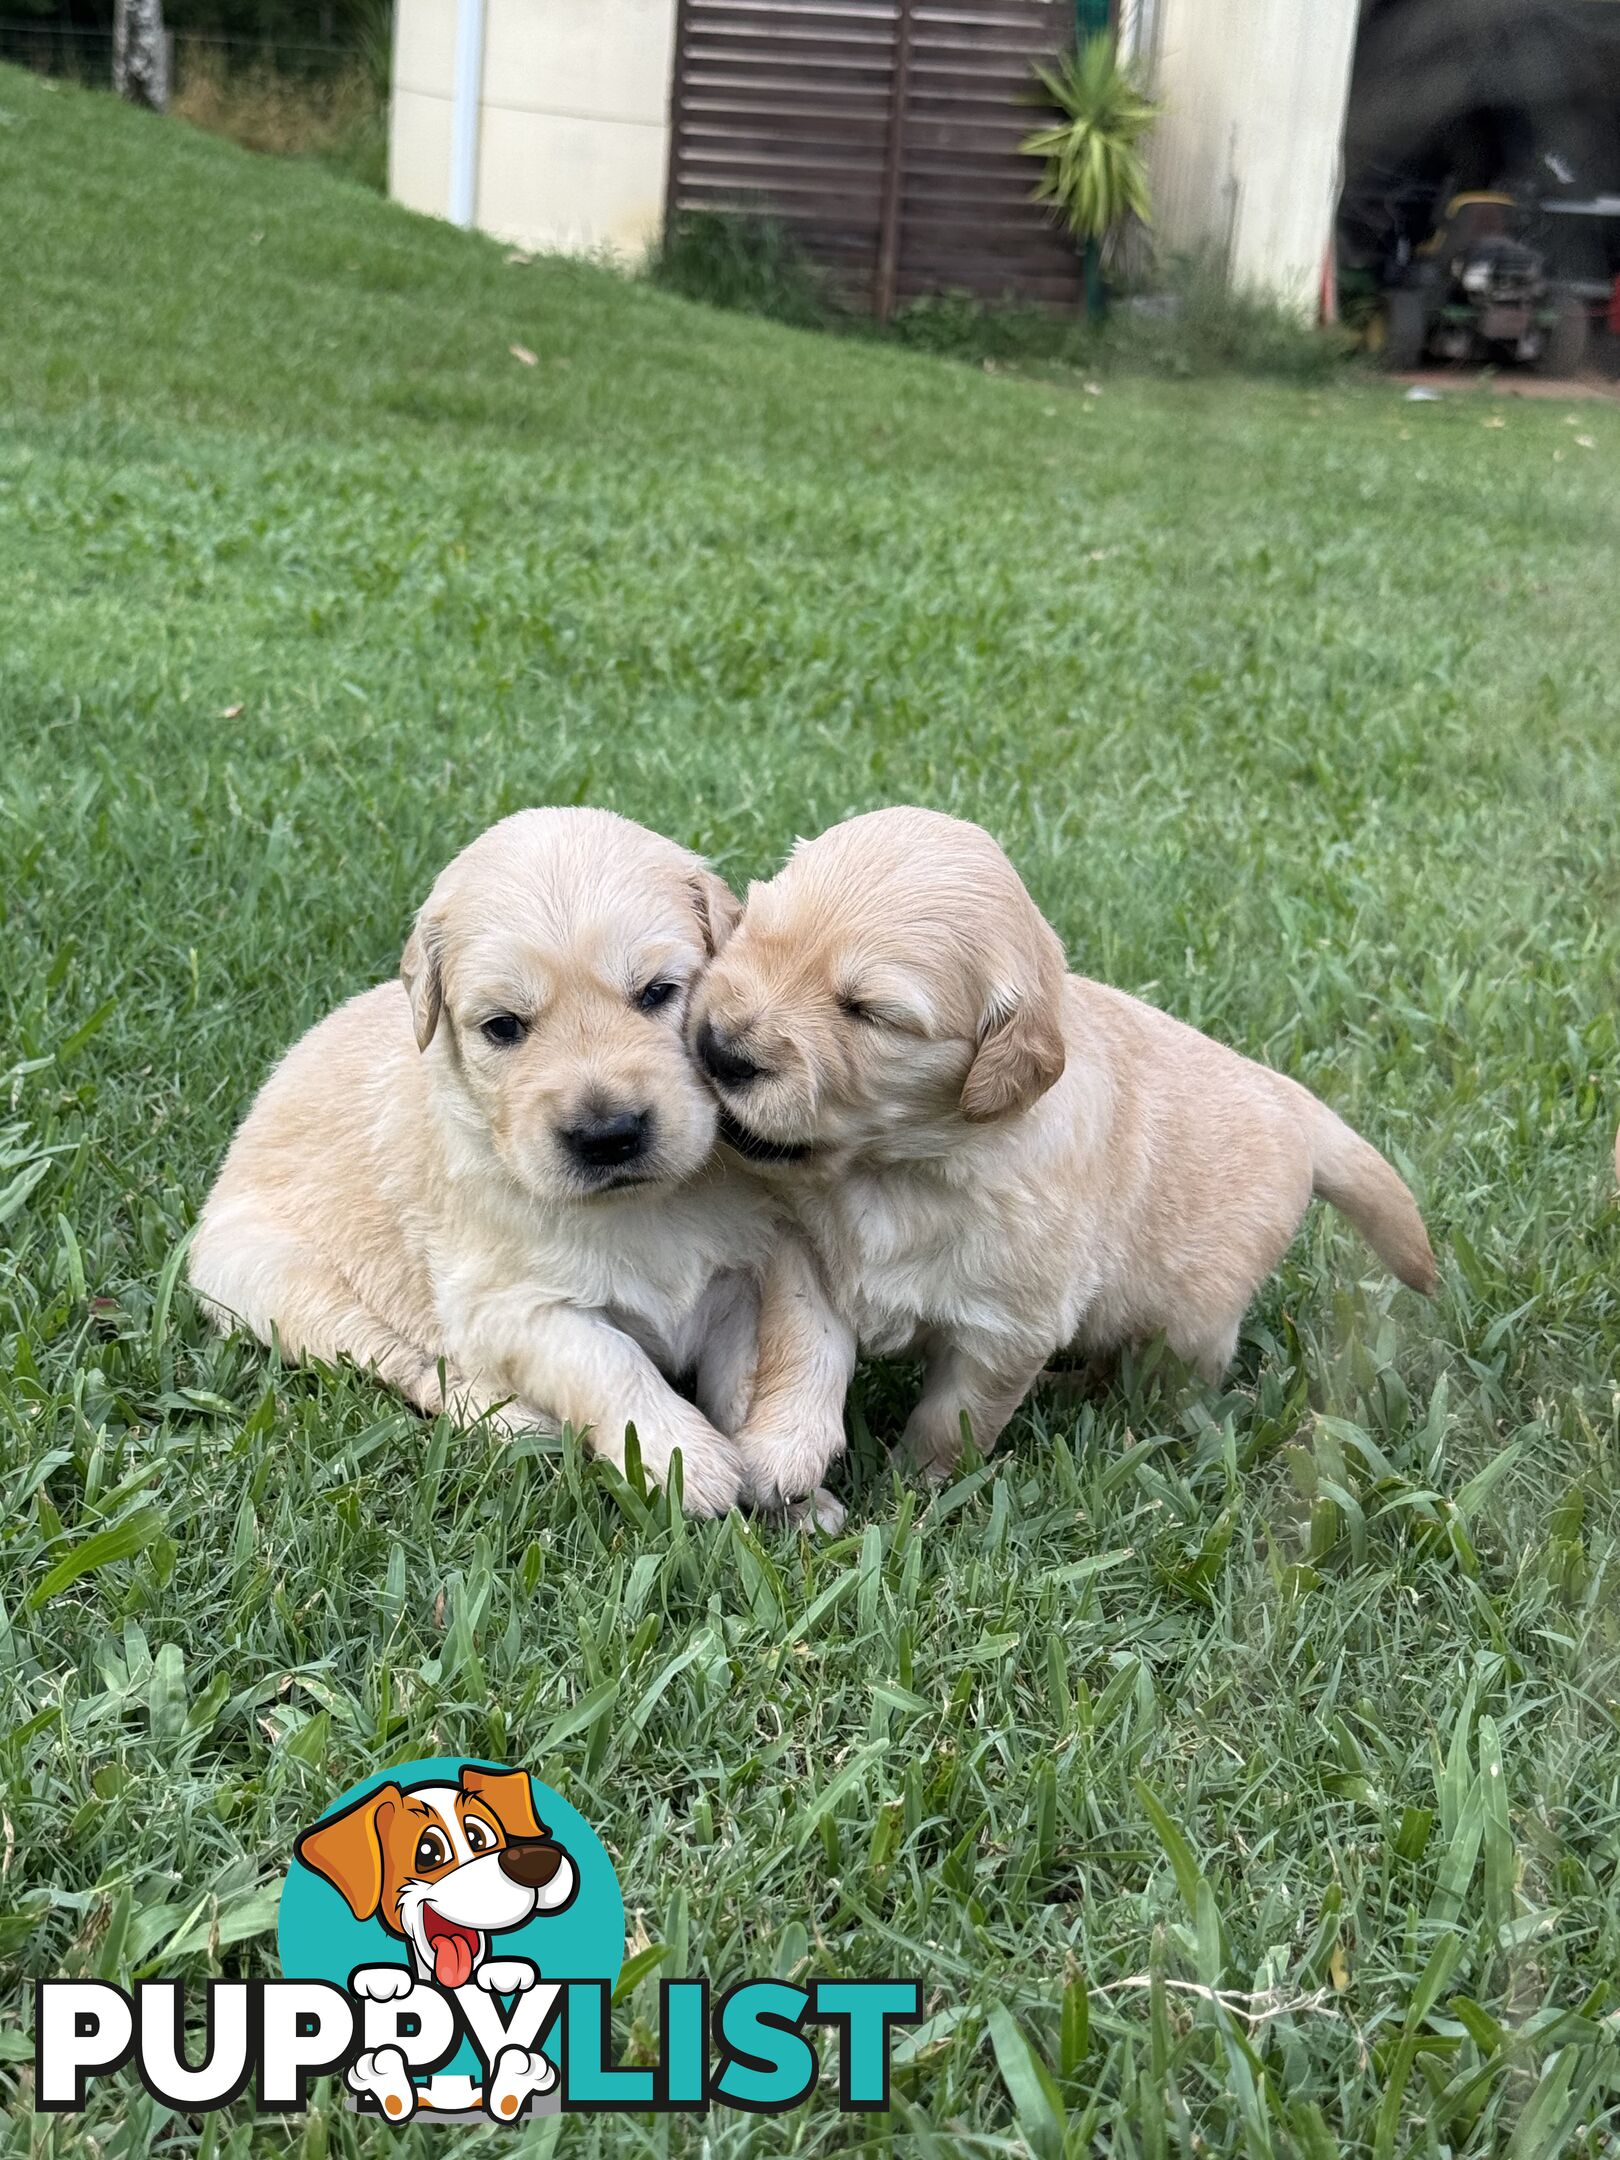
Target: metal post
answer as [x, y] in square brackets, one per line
[466, 95]
[1091, 19]
[894, 170]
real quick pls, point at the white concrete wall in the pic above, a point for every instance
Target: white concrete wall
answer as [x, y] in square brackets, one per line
[573, 123]
[1245, 160]
[419, 121]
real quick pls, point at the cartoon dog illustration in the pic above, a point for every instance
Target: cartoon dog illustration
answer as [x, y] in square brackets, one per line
[444, 1868]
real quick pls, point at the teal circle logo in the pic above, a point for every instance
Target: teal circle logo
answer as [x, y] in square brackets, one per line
[468, 1877]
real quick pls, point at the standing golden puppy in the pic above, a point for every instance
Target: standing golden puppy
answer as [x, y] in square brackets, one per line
[501, 1164]
[994, 1158]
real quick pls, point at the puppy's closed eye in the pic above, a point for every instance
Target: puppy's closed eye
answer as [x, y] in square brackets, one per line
[877, 1013]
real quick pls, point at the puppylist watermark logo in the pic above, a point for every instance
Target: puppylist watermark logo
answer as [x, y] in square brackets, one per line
[450, 1935]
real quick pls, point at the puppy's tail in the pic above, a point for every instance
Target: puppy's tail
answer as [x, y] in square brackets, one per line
[1350, 1172]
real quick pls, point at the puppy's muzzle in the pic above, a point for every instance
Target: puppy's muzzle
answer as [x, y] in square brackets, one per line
[533, 1862]
[609, 1141]
[723, 1061]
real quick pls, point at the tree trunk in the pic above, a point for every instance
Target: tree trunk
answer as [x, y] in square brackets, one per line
[141, 54]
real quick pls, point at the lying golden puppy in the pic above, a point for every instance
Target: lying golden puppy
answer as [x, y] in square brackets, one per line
[995, 1159]
[501, 1165]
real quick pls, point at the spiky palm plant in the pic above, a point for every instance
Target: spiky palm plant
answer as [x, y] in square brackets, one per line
[1096, 176]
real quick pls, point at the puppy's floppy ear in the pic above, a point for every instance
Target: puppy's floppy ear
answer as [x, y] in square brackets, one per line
[347, 1849]
[1021, 1051]
[421, 969]
[718, 909]
[508, 1796]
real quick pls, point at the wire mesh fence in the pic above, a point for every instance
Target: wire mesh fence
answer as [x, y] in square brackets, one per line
[84, 54]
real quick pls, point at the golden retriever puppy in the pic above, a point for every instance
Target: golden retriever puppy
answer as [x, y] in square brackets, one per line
[498, 1169]
[995, 1159]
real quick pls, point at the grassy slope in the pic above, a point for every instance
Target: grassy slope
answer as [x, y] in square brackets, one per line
[1297, 711]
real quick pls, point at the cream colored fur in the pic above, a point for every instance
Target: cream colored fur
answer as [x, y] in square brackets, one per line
[400, 1193]
[1004, 1159]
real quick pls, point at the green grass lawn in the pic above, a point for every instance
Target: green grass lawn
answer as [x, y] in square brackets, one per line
[1298, 711]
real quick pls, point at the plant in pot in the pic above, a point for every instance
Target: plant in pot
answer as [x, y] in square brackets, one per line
[1094, 171]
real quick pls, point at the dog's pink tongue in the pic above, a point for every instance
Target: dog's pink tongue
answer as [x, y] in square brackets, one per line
[452, 1961]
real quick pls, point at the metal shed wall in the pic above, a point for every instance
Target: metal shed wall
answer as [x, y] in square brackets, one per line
[1246, 158]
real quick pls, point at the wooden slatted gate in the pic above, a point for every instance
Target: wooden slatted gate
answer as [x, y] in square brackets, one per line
[883, 133]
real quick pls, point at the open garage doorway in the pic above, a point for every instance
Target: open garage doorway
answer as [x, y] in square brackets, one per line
[1480, 217]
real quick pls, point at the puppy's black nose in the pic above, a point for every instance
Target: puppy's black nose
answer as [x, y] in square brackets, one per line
[725, 1062]
[531, 1861]
[607, 1143]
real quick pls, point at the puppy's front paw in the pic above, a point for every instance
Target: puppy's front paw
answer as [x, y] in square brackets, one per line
[711, 1470]
[506, 1976]
[711, 1481]
[511, 1420]
[783, 1467]
[817, 1511]
[382, 1983]
[931, 1456]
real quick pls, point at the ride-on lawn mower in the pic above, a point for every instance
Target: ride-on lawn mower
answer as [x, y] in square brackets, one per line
[1479, 289]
